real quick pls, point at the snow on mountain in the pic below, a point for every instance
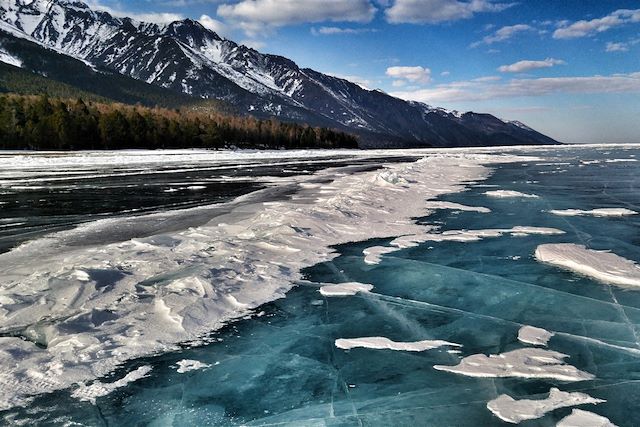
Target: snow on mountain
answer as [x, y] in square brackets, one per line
[186, 57]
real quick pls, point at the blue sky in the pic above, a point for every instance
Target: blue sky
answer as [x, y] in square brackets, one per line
[569, 68]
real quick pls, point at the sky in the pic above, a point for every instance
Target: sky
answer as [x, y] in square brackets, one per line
[568, 68]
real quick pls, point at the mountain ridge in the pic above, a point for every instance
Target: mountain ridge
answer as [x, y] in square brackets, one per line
[185, 57]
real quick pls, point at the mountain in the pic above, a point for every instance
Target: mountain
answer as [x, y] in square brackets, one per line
[189, 59]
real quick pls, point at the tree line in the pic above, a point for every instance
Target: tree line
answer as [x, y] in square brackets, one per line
[41, 123]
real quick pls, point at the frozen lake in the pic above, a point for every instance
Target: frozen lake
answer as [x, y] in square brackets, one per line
[184, 288]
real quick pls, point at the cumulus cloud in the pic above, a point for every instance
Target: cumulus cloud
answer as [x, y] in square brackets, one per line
[527, 65]
[255, 16]
[617, 47]
[403, 75]
[504, 33]
[482, 91]
[437, 11]
[585, 28]
[214, 25]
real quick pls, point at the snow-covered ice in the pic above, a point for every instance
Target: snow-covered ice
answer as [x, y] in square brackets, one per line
[534, 336]
[580, 418]
[515, 411]
[344, 289]
[91, 392]
[509, 194]
[382, 343]
[186, 365]
[600, 212]
[521, 363]
[604, 266]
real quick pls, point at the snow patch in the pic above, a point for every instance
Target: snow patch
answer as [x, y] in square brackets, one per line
[515, 411]
[521, 363]
[190, 365]
[534, 336]
[580, 418]
[90, 393]
[382, 343]
[604, 266]
[601, 212]
[345, 289]
[507, 194]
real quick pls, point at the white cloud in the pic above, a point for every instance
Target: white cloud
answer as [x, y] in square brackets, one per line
[588, 28]
[504, 33]
[617, 47]
[482, 91]
[523, 66]
[331, 31]
[259, 16]
[437, 11]
[214, 25]
[158, 18]
[403, 75]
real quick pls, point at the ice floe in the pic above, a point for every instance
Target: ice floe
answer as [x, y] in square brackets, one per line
[508, 194]
[186, 365]
[515, 411]
[344, 289]
[580, 418]
[604, 266]
[601, 212]
[521, 363]
[382, 343]
[91, 392]
[534, 336]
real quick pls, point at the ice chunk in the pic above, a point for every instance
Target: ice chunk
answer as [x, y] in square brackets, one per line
[91, 392]
[507, 194]
[600, 265]
[190, 365]
[382, 343]
[580, 418]
[344, 289]
[515, 411]
[534, 336]
[601, 212]
[522, 363]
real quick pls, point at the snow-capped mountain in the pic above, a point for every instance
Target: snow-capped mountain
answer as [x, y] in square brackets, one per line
[186, 57]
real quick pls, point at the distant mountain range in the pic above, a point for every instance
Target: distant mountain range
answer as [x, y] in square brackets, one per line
[182, 62]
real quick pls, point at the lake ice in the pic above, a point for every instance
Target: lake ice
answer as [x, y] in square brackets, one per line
[209, 311]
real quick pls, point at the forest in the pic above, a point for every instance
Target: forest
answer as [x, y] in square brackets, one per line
[42, 123]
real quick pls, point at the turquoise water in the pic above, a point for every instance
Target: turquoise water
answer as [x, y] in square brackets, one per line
[281, 367]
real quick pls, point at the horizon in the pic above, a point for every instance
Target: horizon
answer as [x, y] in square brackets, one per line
[569, 70]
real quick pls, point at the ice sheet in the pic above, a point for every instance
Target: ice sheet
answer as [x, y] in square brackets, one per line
[515, 411]
[606, 267]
